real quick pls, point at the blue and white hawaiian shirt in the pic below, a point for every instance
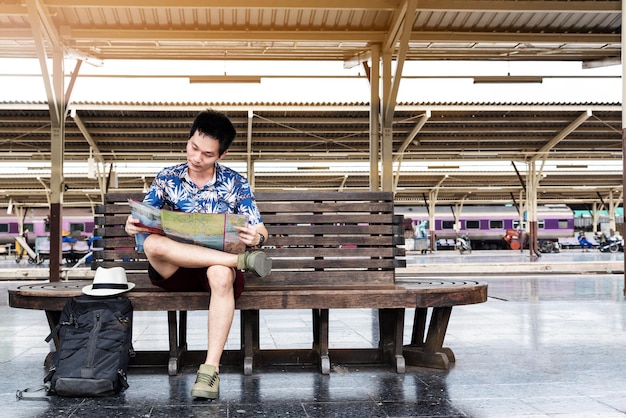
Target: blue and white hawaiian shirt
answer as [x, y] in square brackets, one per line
[173, 189]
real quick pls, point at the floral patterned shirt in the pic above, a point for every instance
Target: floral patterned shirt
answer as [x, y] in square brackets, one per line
[229, 192]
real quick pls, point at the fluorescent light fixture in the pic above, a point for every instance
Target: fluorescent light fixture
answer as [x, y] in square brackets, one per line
[313, 168]
[508, 79]
[443, 167]
[328, 154]
[572, 166]
[225, 79]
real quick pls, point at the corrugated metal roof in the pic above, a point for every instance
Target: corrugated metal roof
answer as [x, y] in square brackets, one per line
[316, 30]
[321, 142]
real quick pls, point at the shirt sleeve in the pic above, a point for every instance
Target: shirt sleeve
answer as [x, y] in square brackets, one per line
[155, 194]
[246, 204]
[248, 207]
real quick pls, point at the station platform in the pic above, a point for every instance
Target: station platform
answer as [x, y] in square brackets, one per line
[543, 345]
[482, 262]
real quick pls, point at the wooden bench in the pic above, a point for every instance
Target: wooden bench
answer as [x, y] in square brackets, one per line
[330, 250]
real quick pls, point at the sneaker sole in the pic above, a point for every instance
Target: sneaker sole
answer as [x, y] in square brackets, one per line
[204, 394]
[263, 267]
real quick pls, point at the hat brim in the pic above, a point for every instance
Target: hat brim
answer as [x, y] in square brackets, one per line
[89, 290]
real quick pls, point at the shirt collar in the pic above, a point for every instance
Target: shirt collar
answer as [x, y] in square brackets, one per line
[210, 183]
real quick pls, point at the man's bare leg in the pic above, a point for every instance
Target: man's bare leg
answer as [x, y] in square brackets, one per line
[221, 312]
[220, 318]
[167, 255]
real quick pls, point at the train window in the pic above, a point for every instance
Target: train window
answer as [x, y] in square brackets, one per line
[496, 224]
[516, 225]
[447, 224]
[472, 224]
[29, 226]
[4, 228]
[541, 224]
[77, 227]
[563, 224]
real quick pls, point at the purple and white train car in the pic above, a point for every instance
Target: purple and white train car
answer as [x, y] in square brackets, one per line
[78, 222]
[487, 225]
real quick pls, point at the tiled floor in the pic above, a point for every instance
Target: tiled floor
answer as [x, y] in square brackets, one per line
[542, 346]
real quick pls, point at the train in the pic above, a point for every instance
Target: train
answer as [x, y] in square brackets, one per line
[77, 222]
[487, 225]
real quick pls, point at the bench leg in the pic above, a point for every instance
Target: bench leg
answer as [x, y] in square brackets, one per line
[177, 331]
[249, 339]
[426, 349]
[391, 330]
[320, 338]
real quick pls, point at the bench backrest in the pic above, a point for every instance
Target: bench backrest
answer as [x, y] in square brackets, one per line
[330, 239]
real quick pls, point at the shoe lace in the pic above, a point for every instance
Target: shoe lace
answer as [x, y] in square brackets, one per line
[209, 379]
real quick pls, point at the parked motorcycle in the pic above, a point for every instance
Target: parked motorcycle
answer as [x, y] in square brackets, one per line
[548, 246]
[463, 244]
[611, 245]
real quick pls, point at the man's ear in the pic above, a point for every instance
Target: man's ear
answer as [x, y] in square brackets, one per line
[223, 155]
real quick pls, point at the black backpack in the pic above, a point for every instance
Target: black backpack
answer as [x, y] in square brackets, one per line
[95, 347]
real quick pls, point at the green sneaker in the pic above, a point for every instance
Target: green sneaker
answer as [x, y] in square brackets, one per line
[207, 383]
[255, 261]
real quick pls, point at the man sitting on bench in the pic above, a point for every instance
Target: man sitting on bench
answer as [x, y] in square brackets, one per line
[203, 185]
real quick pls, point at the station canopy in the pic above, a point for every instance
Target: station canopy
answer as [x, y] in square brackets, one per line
[470, 151]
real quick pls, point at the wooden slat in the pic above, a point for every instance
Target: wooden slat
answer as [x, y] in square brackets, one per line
[322, 207]
[319, 228]
[343, 252]
[337, 263]
[114, 197]
[128, 265]
[326, 279]
[298, 196]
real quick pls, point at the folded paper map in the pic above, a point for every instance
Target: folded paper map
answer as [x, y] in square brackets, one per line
[213, 230]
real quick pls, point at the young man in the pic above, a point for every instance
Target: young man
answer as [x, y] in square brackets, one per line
[203, 185]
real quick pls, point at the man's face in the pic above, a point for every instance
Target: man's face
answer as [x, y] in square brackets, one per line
[202, 152]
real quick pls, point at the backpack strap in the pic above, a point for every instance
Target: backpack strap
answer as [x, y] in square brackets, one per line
[35, 393]
[121, 377]
[72, 321]
[53, 333]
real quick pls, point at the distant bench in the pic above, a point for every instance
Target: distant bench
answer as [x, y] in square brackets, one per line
[330, 250]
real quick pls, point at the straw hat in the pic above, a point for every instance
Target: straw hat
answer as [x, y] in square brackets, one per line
[108, 282]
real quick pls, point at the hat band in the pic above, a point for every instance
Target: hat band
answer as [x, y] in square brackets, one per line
[109, 286]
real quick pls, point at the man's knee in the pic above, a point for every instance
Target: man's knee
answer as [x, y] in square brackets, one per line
[154, 245]
[221, 278]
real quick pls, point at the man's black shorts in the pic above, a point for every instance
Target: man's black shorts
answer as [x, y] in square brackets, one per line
[191, 280]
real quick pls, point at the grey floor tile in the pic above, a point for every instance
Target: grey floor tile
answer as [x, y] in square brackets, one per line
[542, 346]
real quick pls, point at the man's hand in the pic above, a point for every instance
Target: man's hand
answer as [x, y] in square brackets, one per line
[134, 226]
[249, 235]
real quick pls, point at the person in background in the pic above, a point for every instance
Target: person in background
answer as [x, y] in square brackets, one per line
[202, 184]
[584, 244]
[22, 251]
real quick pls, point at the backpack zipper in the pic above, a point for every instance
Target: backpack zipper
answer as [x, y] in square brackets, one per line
[93, 339]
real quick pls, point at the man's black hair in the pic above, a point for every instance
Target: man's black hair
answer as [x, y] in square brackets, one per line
[216, 125]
